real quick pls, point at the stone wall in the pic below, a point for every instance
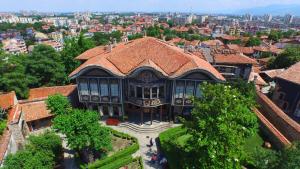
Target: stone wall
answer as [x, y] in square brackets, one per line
[287, 126]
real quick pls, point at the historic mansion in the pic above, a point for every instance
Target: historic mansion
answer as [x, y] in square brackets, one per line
[144, 79]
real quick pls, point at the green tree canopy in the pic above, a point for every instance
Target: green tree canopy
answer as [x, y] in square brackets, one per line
[253, 41]
[82, 130]
[221, 121]
[58, 104]
[41, 152]
[46, 67]
[286, 59]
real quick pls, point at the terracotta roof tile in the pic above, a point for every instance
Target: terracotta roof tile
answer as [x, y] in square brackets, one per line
[212, 42]
[292, 74]
[35, 111]
[234, 58]
[8, 100]
[125, 58]
[43, 92]
[273, 73]
[4, 141]
[91, 53]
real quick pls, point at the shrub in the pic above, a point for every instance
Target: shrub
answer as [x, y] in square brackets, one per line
[2, 126]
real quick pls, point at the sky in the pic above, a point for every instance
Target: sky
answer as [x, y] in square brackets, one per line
[205, 6]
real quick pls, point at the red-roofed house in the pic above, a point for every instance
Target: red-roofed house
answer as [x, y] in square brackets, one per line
[145, 78]
[287, 91]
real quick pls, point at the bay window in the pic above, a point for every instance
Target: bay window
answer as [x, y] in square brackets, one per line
[179, 90]
[83, 84]
[94, 87]
[104, 87]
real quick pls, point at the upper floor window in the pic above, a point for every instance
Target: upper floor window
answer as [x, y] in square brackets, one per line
[147, 93]
[83, 84]
[198, 91]
[189, 90]
[154, 92]
[132, 91]
[179, 90]
[161, 92]
[114, 88]
[104, 87]
[139, 92]
[94, 87]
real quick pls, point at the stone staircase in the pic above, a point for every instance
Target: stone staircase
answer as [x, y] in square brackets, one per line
[156, 127]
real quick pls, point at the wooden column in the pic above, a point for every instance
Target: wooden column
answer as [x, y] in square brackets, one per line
[151, 111]
[142, 114]
[161, 109]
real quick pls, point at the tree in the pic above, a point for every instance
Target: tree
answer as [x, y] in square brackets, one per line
[290, 157]
[265, 158]
[253, 41]
[275, 35]
[153, 31]
[72, 48]
[58, 104]
[83, 132]
[46, 67]
[221, 121]
[41, 152]
[13, 74]
[286, 59]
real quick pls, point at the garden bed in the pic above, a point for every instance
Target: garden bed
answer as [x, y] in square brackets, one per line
[122, 153]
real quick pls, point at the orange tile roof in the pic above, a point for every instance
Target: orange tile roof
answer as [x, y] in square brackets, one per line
[244, 50]
[125, 58]
[292, 74]
[35, 111]
[7, 100]
[234, 59]
[273, 73]
[229, 37]
[43, 92]
[91, 53]
[259, 81]
[213, 42]
[4, 142]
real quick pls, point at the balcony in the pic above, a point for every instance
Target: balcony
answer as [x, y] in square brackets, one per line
[147, 102]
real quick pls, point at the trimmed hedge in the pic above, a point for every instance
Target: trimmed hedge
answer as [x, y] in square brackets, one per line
[172, 149]
[118, 163]
[118, 156]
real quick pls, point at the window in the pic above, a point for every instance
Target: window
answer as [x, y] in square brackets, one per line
[132, 91]
[179, 90]
[281, 96]
[161, 92]
[198, 91]
[104, 87]
[139, 92]
[114, 88]
[147, 93]
[297, 111]
[83, 87]
[154, 92]
[189, 89]
[285, 106]
[94, 87]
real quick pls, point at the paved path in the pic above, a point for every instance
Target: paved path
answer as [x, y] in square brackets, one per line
[144, 140]
[69, 156]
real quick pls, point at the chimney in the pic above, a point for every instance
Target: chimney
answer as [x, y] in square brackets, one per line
[109, 47]
[186, 49]
[164, 38]
[115, 42]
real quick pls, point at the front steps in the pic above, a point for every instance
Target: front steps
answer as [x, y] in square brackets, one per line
[154, 128]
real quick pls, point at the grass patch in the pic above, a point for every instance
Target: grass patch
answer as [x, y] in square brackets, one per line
[253, 142]
[119, 144]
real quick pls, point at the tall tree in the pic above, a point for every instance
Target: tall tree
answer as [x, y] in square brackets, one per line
[82, 130]
[221, 121]
[286, 59]
[46, 66]
[253, 41]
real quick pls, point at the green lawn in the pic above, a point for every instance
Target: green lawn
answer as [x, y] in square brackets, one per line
[253, 142]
